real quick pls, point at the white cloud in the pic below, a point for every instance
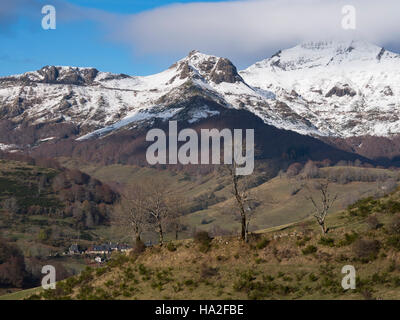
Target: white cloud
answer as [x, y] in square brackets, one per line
[244, 30]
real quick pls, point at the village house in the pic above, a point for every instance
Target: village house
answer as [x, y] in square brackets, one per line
[73, 249]
[107, 248]
[99, 259]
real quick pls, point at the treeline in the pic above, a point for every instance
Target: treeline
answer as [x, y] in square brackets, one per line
[61, 192]
[342, 173]
[17, 271]
[12, 266]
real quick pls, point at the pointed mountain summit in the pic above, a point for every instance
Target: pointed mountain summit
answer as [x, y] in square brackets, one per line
[198, 65]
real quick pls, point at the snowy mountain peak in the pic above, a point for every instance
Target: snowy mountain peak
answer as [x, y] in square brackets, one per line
[338, 46]
[198, 65]
[326, 53]
[346, 51]
[344, 88]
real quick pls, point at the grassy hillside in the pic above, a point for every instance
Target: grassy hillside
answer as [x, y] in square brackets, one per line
[291, 262]
[21, 294]
[281, 199]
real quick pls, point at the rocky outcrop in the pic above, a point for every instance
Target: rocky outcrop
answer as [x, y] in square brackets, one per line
[225, 71]
[341, 91]
[209, 68]
[74, 76]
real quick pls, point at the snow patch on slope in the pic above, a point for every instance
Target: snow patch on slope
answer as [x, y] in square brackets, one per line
[136, 116]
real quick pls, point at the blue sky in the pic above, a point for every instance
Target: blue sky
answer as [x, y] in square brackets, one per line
[129, 6]
[140, 37]
[25, 46]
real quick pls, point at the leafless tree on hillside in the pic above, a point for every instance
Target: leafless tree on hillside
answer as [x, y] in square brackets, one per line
[310, 170]
[176, 208]
[244, 201]
[130, 213]
[321, 208]
[149, 206]
[157, 206]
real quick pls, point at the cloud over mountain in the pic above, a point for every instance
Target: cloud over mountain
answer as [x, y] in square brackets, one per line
[244, 30]
[250, 29]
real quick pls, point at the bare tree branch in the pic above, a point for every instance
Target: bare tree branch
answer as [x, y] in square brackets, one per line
[326, 201]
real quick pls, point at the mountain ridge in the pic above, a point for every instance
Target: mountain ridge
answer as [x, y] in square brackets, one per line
[293, 90]
[345, 89]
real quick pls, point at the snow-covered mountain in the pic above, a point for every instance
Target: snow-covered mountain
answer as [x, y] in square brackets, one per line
[345, 89]
[334, 89]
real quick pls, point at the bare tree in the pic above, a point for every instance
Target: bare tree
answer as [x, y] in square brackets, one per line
[176, 207]
[321, 208]
[310, 170]
[244, 202]
[11, 205]
[42, 182]
[130, 213]
[149, 206]
[156, 206]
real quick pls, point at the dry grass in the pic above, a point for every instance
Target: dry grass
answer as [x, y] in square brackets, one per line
[232, 269]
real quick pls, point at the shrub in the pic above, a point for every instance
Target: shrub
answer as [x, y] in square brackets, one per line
[44, 234]
[363, 207]
[362, 202]
[312, 277]
[171, 247]
[392, 206]
[366, 249]
[208, 272]
[109, 283]
[326, 241]
[262, 243]
[373, 222]
[394, 241]
[203, 239]
[101, 271]
[189, 283]
[145, 272]
[396, 281]
[309, 249]
[394, 226]
[300, 243]
[244, 281]
[349, 238]
[118, 259]
[259, 260]
[86, 275]
[392, 266]
[177, 287]
[367, 294]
